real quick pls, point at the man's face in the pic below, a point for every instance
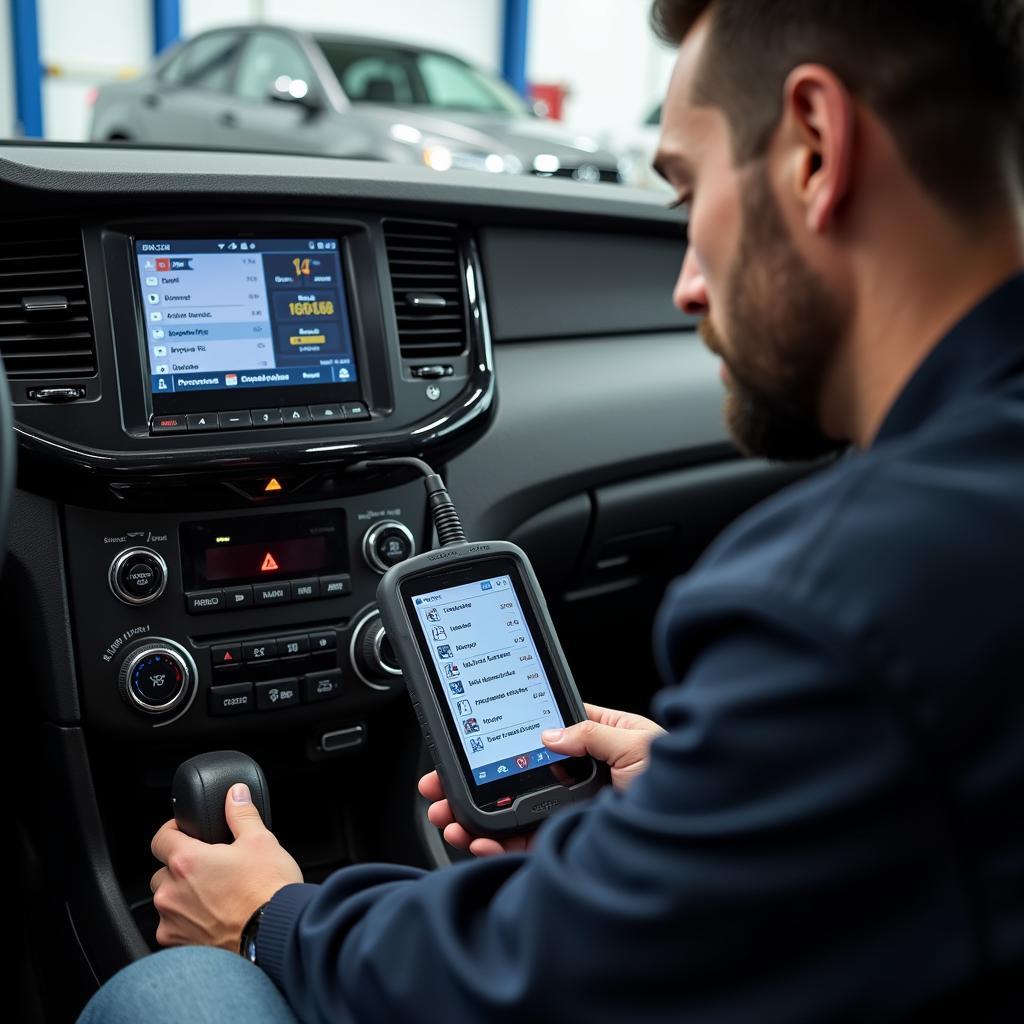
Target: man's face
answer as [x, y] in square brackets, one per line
[765, 312]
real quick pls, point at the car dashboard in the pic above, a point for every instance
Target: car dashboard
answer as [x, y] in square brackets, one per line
[193, 561]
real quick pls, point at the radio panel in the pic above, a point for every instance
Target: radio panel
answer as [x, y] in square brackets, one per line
[293, 588]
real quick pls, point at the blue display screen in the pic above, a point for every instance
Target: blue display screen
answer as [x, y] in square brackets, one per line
[497, 692]
[234, 314]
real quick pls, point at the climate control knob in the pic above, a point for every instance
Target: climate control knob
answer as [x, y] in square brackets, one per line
[157, 677]
[137, 576]
[386, 544]
[372, 656]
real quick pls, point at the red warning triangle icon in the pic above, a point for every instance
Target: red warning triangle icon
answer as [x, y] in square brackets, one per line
[269, 565]
[227, 656]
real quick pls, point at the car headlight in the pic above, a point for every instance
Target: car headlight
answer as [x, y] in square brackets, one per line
[442, 156]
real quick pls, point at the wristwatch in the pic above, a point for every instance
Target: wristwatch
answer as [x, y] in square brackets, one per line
[247, 946]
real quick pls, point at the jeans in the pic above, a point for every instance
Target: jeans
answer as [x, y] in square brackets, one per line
[188, 985]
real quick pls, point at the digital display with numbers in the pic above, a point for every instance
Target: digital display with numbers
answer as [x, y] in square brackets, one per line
[225, 314]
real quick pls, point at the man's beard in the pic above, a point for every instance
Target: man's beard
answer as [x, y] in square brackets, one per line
[783, 327]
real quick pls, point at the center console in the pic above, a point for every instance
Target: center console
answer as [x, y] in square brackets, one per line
[242, 621]
[193, 395]
[221, 556]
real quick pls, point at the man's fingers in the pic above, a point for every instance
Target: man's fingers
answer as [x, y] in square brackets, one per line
[159, 876]
[242, 814]
[168, 839]
[484, 847]
[455, 835]
[439, 814]
[603, 742]
[430, 786]
[622, 719]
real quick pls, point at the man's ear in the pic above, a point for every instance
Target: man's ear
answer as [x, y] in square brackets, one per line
[818, 126]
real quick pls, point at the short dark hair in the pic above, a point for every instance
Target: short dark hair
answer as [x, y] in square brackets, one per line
[946, 76]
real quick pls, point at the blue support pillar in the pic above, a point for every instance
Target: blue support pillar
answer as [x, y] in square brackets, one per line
[28, 68]
[513, 44]
[166, 23]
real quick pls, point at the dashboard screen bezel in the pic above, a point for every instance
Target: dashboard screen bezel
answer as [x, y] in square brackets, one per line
[231, 399]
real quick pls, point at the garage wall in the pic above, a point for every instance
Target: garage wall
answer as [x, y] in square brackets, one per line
[605, 53]
[84, 45]
[471, 28]
[7, 104]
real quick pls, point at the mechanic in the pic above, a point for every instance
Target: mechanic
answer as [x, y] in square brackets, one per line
[831, 827]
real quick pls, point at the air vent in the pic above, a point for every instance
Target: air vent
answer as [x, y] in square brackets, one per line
[45, 328]
[429, 288]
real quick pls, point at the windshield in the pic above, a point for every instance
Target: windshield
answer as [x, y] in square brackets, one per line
[552, 90]
[373, 74]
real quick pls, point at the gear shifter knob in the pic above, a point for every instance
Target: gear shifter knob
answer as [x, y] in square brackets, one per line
[201, 786]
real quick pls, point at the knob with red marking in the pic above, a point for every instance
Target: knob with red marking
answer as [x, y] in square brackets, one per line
[157, 676]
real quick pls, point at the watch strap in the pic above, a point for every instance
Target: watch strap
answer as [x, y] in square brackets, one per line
[247, 944]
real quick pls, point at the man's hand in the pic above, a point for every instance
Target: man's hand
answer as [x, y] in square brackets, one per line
[619, 739]
[207, 892]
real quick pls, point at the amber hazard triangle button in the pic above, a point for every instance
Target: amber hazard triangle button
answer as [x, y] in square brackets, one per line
[269, 564]
[273, 484]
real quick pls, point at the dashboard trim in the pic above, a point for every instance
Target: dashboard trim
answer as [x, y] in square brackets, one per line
[458, 424]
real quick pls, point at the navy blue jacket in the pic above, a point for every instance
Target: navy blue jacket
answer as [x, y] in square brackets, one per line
[833, 827]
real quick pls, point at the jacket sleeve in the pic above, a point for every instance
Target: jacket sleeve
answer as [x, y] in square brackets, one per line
[743, 876]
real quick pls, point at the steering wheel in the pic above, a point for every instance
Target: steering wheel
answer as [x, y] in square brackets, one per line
[8, 455]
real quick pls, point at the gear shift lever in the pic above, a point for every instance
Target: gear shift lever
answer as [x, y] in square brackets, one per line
[200, 788]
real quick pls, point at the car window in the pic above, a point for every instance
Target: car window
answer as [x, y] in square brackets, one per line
[377, 74]
[268, 57]
[457, 86]
[378, 79]
[206, 63]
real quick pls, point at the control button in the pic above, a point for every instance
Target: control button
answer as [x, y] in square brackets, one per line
[277, 693]
[325, 413]
[226, 655]
[289, 646]
[230, 700]
[355, 411]
[272, 593]
[295, 414]
[238, 597]
[267, 418]
[326, 641]
[201, 601]
[200, 421]
[343, 739]
[372, 656]
[432, 372]
[305, 590]
[234, 420]
[335, 586]
[157, 676]
[321, 685]
[386, 544]
[259, 650]
[503, 801]
[137, 576]
[55, 394]
[168, 425]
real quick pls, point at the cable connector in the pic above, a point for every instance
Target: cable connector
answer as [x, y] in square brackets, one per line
[442, 508]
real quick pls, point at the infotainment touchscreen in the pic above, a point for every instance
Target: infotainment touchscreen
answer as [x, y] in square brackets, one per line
[229, 314]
